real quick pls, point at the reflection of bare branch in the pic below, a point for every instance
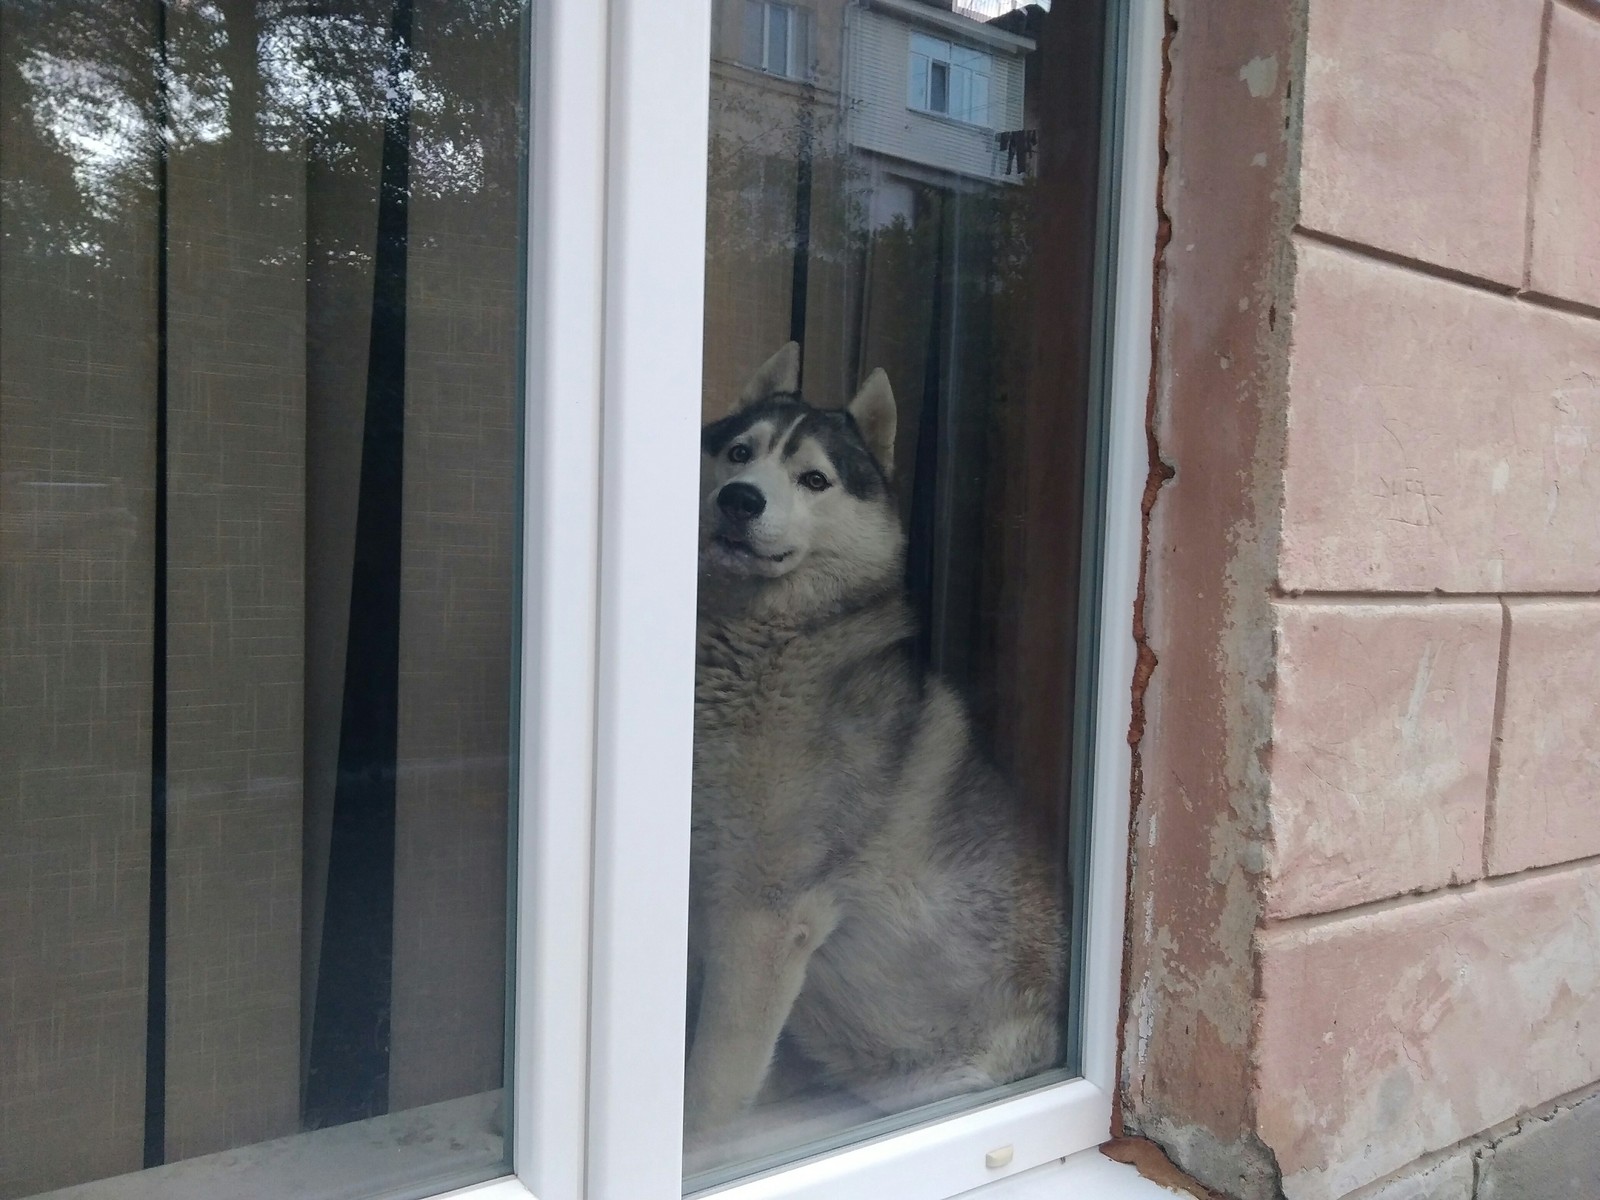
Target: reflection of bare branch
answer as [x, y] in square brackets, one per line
[301, 82]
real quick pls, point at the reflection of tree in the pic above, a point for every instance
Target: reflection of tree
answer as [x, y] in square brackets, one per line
[83, 89]
[75, 98]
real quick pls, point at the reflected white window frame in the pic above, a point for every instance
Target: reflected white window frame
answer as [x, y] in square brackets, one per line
[961, 65]
[615, 288]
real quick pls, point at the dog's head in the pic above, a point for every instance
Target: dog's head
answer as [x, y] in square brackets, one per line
[801, 494]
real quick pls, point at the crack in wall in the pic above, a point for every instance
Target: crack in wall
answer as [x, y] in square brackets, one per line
[1484, 1145]
[1158, 472]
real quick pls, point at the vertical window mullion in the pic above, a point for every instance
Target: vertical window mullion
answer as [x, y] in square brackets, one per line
[547, 1084]
[655, 226]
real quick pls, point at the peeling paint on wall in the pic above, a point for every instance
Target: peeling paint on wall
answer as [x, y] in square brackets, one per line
[1203, 689]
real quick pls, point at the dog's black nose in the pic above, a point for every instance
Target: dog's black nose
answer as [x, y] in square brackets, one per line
[742, 501]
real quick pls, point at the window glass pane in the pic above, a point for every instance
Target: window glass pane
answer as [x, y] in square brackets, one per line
[978, 99]
[778, 39]
[959, 93]
[930, 47]
[260, 319]
[753, 33]
[800, 30]
[917, 83]
[890, 781]
[972, 60]
[939, 88]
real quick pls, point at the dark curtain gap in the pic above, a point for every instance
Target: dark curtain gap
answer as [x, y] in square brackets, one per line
[155, 1046]
[802, 237]
[348, 1077]
[922, 533]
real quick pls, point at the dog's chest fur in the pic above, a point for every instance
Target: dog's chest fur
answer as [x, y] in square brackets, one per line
[783, 778]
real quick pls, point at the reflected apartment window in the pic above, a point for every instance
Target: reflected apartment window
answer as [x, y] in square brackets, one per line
[777, 39]
[949, 80]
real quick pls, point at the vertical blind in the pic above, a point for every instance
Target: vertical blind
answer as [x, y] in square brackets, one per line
[259, 434]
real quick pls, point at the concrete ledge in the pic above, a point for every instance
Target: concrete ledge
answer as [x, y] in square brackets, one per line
[1439, 1177]
[1555, 1155]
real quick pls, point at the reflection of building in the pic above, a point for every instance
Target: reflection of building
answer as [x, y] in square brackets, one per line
[775, 106]
[870, 196]
[828, 119]
[930, 92]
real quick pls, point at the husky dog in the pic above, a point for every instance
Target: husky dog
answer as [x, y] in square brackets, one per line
[859, 876]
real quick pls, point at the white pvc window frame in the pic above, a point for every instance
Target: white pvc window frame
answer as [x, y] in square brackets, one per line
[614, 292]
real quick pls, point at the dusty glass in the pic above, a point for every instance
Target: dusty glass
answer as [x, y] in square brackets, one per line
[904, 297]
[261, 322]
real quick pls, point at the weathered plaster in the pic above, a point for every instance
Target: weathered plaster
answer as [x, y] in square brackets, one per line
[1203, 706]
[1403, 1029]
[1384, 714]
[1151, 1161]
[1307, 699]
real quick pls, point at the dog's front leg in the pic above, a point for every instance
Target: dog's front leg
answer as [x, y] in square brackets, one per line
[755, 964]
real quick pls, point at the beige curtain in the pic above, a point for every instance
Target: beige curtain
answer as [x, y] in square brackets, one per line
[230, 286]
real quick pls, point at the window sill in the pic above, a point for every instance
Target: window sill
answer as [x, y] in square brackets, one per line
[381, 1156]
[795, 85]
[1087, 1175]
[947, 119]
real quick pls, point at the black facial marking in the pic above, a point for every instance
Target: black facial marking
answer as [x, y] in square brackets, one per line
[840, 438]
[835, 431]
[782, 408]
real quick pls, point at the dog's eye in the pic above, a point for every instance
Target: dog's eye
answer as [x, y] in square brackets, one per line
[739, 453]
[815, 480]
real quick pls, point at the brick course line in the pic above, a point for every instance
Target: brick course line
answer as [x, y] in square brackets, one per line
[1417, 266]
[1540, 73]
[1390, 903]
[1575, 308]
[1422, 599]
[1584, 8]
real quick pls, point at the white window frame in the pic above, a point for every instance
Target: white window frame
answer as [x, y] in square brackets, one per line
[615, 283]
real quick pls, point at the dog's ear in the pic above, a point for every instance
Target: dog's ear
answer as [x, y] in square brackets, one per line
[873, 410]
[780, 373]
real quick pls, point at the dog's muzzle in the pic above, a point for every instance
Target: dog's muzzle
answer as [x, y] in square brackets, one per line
[741, 502]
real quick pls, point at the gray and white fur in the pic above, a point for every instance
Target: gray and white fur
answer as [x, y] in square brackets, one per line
[860, 877]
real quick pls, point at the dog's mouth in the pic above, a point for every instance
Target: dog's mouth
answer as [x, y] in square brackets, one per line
[740, 549]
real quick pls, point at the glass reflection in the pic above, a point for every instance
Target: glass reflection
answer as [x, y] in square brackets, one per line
[885, 891]
[260, 314]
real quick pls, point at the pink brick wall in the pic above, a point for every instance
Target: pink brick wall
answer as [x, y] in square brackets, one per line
[1380, 750]
[1430, 946]
[1365, 909]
